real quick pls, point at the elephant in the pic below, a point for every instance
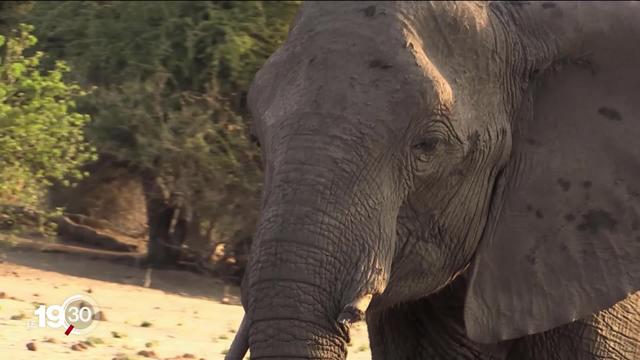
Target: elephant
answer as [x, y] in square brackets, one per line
[463, 176]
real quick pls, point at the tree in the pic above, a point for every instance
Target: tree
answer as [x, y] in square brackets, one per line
[41, 133]
[11, 14]
[171, 81]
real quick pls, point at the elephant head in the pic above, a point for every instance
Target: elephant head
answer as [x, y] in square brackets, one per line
[406, 143]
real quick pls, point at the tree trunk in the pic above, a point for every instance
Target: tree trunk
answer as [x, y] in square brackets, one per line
[160, 214]
[179, 229]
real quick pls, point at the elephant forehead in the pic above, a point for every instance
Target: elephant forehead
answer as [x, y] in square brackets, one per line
[354, 85]
[373, 67]
[359, 83]
[439, 86]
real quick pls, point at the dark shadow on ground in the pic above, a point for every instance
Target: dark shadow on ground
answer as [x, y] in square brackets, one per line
[79, 265]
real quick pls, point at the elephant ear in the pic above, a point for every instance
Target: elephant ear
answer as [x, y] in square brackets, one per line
[563, 237]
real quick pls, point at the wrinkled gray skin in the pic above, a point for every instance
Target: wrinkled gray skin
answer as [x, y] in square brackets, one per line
[472, 168]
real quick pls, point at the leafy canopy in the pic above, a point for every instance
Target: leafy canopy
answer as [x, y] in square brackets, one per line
[41, 133]
[171, 81]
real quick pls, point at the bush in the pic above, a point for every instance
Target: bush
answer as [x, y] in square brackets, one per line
[41, 134]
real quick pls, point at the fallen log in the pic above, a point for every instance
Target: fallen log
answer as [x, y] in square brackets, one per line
[100, 224]
[129, 258]
[71, 231]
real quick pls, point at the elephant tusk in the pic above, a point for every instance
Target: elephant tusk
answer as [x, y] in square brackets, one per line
[240, 343]
[355, 310]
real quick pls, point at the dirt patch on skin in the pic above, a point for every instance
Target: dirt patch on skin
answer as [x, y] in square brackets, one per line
[596, 220]
[179, 316]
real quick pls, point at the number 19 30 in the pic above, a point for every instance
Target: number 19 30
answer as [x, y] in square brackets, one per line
[54, 316]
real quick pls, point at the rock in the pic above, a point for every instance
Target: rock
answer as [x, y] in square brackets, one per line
[188, 356]
[31, 346]
[118, 335]
[99, 316]
[147, 353]
[2, 295]
[79, 347]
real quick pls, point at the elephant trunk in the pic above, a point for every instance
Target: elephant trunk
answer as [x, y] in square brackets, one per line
[240, 343]
[295, 302]
[315, 262]
[294, 310]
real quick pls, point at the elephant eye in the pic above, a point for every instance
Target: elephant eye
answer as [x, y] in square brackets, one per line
[427, 146]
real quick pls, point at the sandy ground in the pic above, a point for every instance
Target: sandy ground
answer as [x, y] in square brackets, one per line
[182, 312]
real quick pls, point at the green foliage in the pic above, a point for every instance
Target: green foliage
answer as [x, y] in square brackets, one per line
[11, 13]
[171, 80]
[41, 134]
[199, 149]
[193, 43]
